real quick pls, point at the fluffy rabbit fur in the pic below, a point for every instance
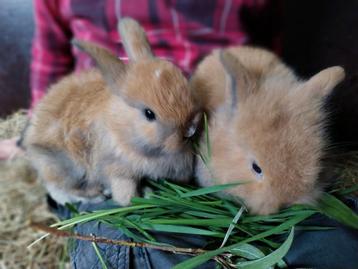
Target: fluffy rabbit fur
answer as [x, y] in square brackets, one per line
[105, 128]
[266, 127]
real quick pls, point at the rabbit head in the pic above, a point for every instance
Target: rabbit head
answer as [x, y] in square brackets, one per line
[267, 130]
[152, 109]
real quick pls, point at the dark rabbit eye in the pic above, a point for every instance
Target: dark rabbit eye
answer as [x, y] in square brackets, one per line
[149, 114]
[257, 169]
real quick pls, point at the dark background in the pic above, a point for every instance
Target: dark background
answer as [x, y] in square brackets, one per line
[314, 34]
[16, 30]
[323, 33]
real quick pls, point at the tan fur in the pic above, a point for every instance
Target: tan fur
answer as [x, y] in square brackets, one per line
[277, 122]
[134, 40]
[168, 101]
[89, 134]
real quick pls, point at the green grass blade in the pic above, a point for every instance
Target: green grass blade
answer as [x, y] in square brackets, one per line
[348, 190]
[137, 227]
[264, 240]
[180, 229]
[103, 264]
[218, 222]
[200, 259]
[271, 259]
[201, 155]
[232, 226]
[178, 188]
[134, 236]
[277, 217]
[211, 189]
[334, 208]
[276, 230]
[248, 251]
[206, 215]
[72, 209]
[207, 138]
[231, 207]
[189, 204]
[97, 215]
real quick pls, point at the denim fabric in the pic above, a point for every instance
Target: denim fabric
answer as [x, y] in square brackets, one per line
[329, 249]
[83, 255]
[336, 248]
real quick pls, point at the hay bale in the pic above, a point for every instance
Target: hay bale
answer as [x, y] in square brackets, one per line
[13, 125]
[22, 201]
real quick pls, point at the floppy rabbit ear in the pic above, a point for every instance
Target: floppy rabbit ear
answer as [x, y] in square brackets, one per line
[134, 40]
[324, 82]
[237, 86]
[112, 69]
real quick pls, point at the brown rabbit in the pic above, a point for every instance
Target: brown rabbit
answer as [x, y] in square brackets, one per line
[266, 127]
[106, 128]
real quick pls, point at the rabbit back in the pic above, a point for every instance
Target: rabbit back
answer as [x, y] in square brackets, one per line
[60, 139]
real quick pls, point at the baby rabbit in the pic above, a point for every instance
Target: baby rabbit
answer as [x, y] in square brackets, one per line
[266, 127]
[106, 128]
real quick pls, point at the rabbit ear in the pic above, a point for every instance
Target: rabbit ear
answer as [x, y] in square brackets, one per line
[324, 82]
[112, 69]
[134, 40]
[237, 79]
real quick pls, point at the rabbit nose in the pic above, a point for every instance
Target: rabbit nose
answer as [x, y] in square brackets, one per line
[193, 126]
[190, 131]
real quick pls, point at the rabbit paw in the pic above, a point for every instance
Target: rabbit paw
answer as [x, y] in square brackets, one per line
[123, 190]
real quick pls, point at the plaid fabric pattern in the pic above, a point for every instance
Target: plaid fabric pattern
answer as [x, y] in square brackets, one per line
[182, 31]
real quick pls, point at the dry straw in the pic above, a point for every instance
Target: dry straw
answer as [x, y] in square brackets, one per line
[22, 201]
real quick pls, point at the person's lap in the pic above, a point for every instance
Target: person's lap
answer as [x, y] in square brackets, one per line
[335, 248]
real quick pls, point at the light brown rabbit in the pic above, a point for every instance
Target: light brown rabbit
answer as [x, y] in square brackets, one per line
[266, 127]
[104, 129]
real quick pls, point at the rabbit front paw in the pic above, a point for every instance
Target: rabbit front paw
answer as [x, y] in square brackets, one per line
[123, 190]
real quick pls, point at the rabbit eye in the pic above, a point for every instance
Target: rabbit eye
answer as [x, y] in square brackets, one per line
[149, 114]
[257, 169]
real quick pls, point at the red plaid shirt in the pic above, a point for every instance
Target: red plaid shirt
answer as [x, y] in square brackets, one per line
[182, 31]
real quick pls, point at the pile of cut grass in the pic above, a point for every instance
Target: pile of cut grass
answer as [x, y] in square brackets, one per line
[242, 240]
